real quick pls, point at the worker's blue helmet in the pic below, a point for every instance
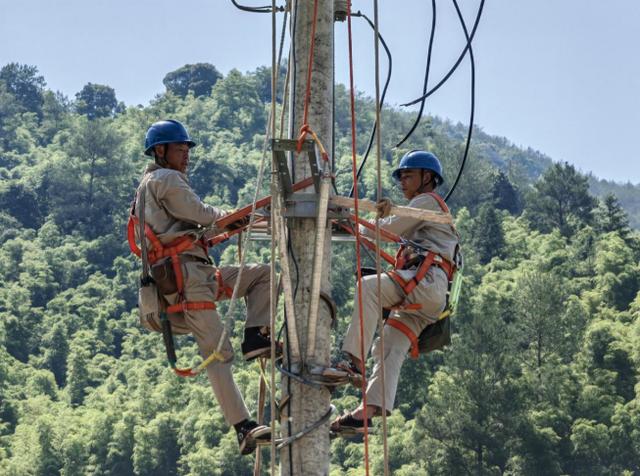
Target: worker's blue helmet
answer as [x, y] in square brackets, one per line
[420, 159]
[166, 132]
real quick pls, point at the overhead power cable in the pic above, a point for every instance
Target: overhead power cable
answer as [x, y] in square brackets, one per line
[457, 63]
[426, 75]
[263, 9]
[473, 96]
[384, 92]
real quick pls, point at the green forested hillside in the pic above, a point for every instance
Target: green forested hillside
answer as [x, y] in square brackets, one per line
[541, 377]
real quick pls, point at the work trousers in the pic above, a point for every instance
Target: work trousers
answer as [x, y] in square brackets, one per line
[430, 293]
[200, 284]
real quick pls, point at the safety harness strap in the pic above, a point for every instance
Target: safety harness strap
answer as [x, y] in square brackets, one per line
[413, 339]
[183, 306]
[222, 289]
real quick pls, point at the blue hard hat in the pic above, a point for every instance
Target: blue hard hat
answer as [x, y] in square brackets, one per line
[166, 132]
[420, 159]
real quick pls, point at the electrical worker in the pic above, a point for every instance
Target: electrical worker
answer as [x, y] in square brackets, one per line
[418, 175]
[174, 214]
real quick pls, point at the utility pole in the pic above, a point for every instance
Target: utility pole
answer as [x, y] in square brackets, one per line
[309, 455]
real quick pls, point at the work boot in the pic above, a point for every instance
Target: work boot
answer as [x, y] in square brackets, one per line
[250, 434]
[347, 425]
[257, 343]
[344, 368]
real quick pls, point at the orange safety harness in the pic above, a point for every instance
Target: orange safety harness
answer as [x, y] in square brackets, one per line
[173, 251]
[427, 260]
[180, 245]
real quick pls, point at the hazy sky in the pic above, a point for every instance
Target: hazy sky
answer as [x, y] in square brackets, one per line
[560, 76]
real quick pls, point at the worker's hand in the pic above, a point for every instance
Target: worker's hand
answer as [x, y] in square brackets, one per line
[383, 207]
[241, 223]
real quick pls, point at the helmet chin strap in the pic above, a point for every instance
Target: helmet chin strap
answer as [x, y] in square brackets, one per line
[423, 187]
[161, 161]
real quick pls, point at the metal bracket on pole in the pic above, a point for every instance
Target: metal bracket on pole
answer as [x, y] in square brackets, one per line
[296, 204]
[300, 204]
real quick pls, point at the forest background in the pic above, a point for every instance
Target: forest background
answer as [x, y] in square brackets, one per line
[542, 374]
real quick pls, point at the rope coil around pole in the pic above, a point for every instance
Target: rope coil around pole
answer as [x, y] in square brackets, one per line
[385, 446]
[358, 265]
[290, 439]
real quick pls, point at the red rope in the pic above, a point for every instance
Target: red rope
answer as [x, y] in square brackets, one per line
[357, 233]
[307, 95]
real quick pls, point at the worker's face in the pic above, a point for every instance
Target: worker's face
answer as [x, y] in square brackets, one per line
[412, 180]
[177, 156]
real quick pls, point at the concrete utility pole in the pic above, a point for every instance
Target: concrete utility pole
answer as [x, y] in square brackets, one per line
[310, 454]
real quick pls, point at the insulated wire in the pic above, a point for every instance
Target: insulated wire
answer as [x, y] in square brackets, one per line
[456, 64]
[384, 92]
[473, 98]
[263, 9]
[426, 75]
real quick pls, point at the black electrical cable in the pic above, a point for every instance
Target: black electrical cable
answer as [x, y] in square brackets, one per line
[244, 8]
[473, 100]
[384, 92]
[426, 75]
[457, 63]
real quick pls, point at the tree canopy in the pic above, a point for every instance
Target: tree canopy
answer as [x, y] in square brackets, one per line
[199, 78]
[542, 376]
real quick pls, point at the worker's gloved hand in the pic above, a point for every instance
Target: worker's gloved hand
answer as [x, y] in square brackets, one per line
[241, 223]
[383, 207]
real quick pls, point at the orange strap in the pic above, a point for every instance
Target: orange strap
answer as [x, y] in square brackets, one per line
[158, 250]
[172, 250]
[430, 259]
[222, 289]
[191, 306]
[403, 305]
[440, 201]
[407, 332]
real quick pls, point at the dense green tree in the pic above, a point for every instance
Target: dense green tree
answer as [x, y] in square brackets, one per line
[56, 349]
[88, 181]
[505, 195]
[539, 302]
[610, 216]
[488, 237]
[156, 447]
[21, 202]
[25, 84]
[198, 78]
[263, 79]
[541, 377]
[238, 106]
[97, 101]
[55, 114]
[561, 200]
[119, 459]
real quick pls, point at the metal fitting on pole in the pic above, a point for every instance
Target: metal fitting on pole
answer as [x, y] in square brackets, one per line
[340, 10]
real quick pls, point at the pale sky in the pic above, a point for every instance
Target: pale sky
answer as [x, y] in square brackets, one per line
[560, 76]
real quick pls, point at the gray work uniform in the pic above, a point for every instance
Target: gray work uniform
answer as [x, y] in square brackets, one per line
[430, 293]
[172, 210]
